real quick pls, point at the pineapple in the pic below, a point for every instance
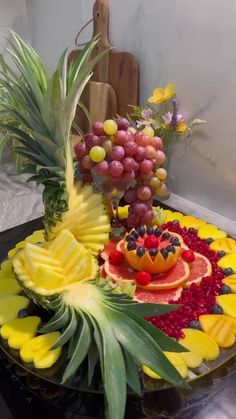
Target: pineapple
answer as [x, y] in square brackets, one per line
[96, 324]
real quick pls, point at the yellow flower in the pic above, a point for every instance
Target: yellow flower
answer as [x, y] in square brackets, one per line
[161, 94]
[181, 127]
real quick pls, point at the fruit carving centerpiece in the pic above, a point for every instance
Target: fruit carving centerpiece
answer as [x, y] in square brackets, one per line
[111, 304]
[124, 162]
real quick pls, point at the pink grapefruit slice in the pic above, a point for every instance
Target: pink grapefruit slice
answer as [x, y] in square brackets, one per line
[199, 268]
[122, 272]
[173, 278]
[159, 297]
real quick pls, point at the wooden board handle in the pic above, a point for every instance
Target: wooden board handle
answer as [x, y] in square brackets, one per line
[101, 22]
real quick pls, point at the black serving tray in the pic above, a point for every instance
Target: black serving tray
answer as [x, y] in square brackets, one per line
[217, 381]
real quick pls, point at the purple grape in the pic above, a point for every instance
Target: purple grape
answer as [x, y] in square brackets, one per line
[116, 168]
[122, 123]
[117, 153]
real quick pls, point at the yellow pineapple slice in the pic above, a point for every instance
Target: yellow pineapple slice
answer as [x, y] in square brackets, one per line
[211, 231]
[48, 279]
[98, 238]
[8, 284]
[86, 269]
[200, 343]
[227, 244]
[228, 304]
[230, 281]
[20, 331]
[191, 221]
[10, 306]
[36, 237]
[228, 261]
[86, 210]
[37, 350]
[175, 359]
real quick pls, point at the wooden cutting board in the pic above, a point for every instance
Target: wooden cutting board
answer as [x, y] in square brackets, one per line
[116, 76]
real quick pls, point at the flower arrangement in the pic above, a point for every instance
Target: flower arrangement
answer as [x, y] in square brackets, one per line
[162, 118]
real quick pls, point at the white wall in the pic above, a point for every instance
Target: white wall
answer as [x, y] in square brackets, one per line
[13, 15]
[189, 42]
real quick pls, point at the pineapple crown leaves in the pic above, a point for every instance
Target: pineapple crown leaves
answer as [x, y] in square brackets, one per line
[39, 109]
[110, 328]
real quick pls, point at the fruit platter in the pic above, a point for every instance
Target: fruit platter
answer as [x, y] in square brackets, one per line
[112, 292]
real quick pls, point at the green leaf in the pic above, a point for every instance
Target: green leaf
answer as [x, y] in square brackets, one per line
[69, 331]
[114, 369]
[165, 342]
[143, 348]
[150, 309]
[132, 373]
[93, 357]
[80, 351]
[59, 320]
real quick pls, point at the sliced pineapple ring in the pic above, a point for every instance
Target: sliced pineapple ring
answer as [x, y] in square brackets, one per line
[48, 271]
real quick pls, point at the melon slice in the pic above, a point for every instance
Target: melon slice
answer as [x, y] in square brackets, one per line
[200, 343]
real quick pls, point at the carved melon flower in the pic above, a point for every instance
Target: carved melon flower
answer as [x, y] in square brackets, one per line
[161, 94]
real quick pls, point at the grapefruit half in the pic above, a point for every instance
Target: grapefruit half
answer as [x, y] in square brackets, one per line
[108, 248]
[199, 268]
[173, 278]
[159, 297]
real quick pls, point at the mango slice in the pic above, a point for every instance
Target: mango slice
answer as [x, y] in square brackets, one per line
[200, 343]
[10, 306]
[20, 331]
[173, 215]
[211, 231]
[176, 360]
[228, 261]
[8, 284]
[37, 350]
[191, 359]
[221, 328]
[228, 304]
[191, 221]
[230, 281]
[227, 244]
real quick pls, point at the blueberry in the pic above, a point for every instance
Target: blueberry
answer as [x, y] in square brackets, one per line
[130, 238]
[192, 230]
[225, 289]
[158, 232]
[166, 236]
[134, 233]
[150, 230]
[140, 251]
[175, 241]
[22, 313]
[164, 253]
[131, 245]
[216, 309]
[170, 249]
[194, 324]
[175, 222]
[228, 271]
[153, 252]
[209, 240]
[221, 254]
[141, 230]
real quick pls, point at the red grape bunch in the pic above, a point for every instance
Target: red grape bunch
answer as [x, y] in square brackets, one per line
[127, 160]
